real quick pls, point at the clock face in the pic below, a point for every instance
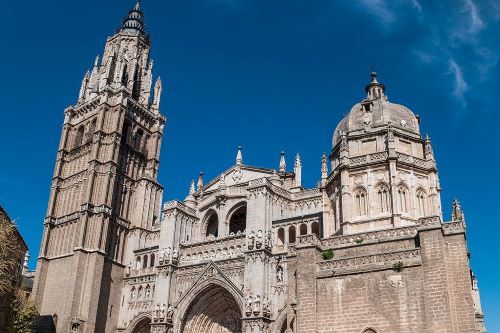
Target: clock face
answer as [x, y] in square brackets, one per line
[403, 123]
[367, 120]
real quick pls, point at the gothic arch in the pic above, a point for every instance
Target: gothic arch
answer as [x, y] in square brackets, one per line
[236, 217]
[369, 330]
[204, 301]
[210, 220]
[404, 201]
[140, 324]
[360, 201]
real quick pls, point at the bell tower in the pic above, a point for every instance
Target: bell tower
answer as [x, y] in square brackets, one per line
[104, 185]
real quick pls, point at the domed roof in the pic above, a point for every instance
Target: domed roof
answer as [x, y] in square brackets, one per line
[376, 111]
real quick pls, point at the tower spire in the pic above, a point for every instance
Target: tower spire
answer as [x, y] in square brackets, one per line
[134, 23]
[282, 162]
[239, 157]
[324, 169]
[297, 169]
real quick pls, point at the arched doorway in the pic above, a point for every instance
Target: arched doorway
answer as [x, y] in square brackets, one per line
[143, 326]
[214, 310]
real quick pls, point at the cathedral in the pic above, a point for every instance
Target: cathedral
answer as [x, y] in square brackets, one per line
[252, 251]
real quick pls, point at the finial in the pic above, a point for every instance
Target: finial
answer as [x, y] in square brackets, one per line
[297, 160]
[200, 181]
[282, 162]
[457, 214]
[191, 187]
[374, 89]
[239, 157]
[134, 24]
[324, 169]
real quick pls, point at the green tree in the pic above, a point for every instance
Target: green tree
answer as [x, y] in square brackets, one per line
[23, 317]
[9, 254]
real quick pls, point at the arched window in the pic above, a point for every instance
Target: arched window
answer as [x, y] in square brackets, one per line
[292, 235]
[139, 292]
[303, 229]
[369, 330]
[213, 225]
[281, 236]
[315, 228]
[421, 202]
[138, 139]
[138, 262]
[125, 75]
[90, 133]
[132, 293]
[383, 198]
[145, 261]
[152, 260]
[148, 292]
[361, 202]
[79, 136]
[238, 220]
[403, 199]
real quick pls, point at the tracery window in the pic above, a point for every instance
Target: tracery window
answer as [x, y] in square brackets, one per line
[132, 293]
[292, 235]
[403, 199]
[238, 221]
[152, 260]
[383, 198]
[421, 202]
[90, 133]
[361, 202]
[79, 136]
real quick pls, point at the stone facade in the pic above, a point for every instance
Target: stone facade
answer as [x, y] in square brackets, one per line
[252, 250]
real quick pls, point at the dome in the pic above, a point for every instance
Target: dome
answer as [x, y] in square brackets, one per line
[375, 112]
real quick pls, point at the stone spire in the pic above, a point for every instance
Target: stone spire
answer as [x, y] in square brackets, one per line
[200, 181]
[190, 199]
[297, 169]
[282, 162]
[324, 169]
[134, 23]
[239, 157]
[374, 89]
[429, 153]
[457, 214]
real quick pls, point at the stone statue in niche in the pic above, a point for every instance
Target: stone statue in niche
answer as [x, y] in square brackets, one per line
[256, 304]
[251, 240]
[279, 274]
[161, 255]
[175, 255]
[170, 313]
[267, 307]
[248, 305]
[258, 239]
[128, 269]
[268, 240]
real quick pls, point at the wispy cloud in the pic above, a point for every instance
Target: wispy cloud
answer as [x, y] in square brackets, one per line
[460, 86]
[416, 5]
[380, 9]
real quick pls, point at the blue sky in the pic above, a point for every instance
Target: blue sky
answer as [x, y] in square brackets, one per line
[268, 75]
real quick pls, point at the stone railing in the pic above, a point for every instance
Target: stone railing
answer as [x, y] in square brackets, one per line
[306, 194]
[412, 160]
[142, 271]
[375, 157]
[216, 249]
[369, 237]
[457, 227]
[380, 261]
[179, 205]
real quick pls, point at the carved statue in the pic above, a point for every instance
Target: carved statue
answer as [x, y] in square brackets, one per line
[279, 274]
[248, 304]
[162, 311]
[161, 255]
[128, 269]
[148, 292]
[167, 254]
[156, 312]
[170, 313]
[175, 255]
[251, 240]
[268, 240]
[256, 304]
[267, 306]
[258, 239]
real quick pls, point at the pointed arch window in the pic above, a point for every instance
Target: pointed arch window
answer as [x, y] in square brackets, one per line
[213, 225]
[361, 202]
[421, 202]
[79, 136]
[403, 199]
[383, 198]
[238, 220]
[90, 133]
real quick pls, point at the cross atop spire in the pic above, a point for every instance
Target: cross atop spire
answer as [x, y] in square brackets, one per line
[134, 23]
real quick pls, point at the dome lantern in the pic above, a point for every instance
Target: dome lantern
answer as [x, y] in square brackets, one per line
[374, 89]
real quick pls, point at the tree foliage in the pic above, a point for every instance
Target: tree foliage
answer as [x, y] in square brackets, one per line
[10, 251]
[23, 317]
